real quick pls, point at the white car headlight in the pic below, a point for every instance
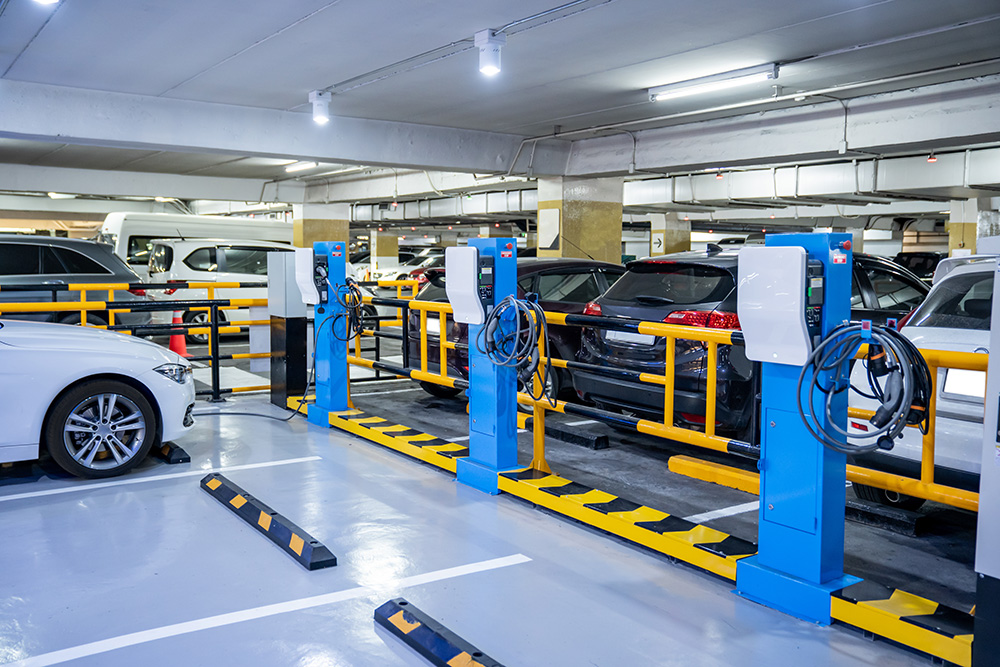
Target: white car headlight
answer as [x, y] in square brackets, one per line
[176, 372]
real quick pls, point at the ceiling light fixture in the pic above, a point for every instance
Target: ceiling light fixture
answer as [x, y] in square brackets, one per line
[300, 166]
[718, 176]
[713, 83]
[931, 158]
[46, 2]
[489, 43]
[321, 106]
[59, 195]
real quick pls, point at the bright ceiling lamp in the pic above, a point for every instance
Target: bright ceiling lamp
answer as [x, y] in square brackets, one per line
[321, 106]
[60, 195]
[299, 166]
[490, 43]
[46, 2]
[713, 83]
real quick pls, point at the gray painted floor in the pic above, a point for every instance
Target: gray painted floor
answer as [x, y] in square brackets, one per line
[150, 570]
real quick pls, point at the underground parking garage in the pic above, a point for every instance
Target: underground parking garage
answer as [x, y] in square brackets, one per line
[611, 332]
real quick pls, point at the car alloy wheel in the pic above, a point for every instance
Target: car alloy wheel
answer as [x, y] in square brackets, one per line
[100, 429]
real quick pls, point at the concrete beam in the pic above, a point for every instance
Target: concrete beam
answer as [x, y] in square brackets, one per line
[956, 114]
[44, 208]
[389, 184]
[28, 178]
[78, 116]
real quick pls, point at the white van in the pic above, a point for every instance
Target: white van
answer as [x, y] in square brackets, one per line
[130, 233]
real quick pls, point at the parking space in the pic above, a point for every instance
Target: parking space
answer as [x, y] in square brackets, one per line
[184, 577]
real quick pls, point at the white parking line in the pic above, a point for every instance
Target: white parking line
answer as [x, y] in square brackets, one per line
[394, 391]
[581, 422]
[231, 618]
[84, 486]
[724, 512]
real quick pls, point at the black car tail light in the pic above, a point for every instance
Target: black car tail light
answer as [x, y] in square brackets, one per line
[592, 308]
[710, 319]
[137, 292]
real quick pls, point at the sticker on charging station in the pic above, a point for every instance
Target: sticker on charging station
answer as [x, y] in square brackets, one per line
[839, 258]
[506, 253]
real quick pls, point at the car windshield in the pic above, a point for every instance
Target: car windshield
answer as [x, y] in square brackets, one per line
[681, 283]
[960, 302]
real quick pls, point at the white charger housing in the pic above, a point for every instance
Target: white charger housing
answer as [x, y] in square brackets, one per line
[771, 304]
[462, 284]
[304, 276]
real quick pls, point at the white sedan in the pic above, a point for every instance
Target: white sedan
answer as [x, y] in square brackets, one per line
[97, 401]
[955, 316]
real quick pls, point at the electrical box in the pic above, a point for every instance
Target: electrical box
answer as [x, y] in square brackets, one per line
[780, 297]
[469, 283]
[284, 298]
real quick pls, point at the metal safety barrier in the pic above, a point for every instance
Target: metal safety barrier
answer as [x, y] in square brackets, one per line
[925, 487]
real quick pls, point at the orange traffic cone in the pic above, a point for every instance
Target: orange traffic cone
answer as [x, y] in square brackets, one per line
[178, 343]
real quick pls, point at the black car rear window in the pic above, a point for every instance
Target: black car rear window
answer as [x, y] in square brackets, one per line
[960, 302]
[684, 284]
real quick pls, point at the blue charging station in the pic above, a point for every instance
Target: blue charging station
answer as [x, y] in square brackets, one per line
[800, 556]
[330, 331]
[492, 389]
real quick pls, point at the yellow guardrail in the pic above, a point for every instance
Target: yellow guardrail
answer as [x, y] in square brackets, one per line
[925, 487]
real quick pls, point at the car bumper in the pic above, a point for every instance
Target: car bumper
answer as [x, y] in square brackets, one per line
[175, 402]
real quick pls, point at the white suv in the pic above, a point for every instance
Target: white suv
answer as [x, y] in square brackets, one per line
[955, 316]
[211, 260]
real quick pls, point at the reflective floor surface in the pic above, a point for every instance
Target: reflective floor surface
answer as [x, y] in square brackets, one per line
[150, 570]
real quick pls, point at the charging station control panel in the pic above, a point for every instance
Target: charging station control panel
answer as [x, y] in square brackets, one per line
[321, 273]
[815, 289]
[484, 282]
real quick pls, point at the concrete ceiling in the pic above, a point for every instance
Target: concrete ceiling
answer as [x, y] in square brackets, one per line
[412, 62]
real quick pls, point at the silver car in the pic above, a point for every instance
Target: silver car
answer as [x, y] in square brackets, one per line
[46, 260]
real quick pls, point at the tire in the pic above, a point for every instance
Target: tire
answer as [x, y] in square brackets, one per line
[888, 498]
[553, 382]
[74, 318]
[71, 443]
[440, 391]
[197, 317]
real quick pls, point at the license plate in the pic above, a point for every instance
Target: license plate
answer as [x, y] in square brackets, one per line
[961, 382]
[631, 337]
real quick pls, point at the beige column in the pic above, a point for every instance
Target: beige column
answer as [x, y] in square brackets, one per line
[668, 233]
[384, 250]
[963, 226]
[320, 222]
[580, 217]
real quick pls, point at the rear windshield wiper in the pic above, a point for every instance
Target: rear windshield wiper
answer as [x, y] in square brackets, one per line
[652, 300]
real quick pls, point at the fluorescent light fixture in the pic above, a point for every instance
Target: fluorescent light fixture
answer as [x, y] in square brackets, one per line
[163, 200]
[489, 43]
[321, 106]
[711, 84]
[300, 166]
[46, 2]
[59, 195]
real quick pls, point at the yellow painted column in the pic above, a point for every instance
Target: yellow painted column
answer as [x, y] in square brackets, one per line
[668, 233]
[320, 222]
[385, 250]
[580, 217]
[963, 227]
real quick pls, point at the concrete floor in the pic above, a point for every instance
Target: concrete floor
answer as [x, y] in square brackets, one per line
[149, 569]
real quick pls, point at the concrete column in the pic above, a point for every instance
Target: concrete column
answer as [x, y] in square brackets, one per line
[580, 217]
[668, 233]
[320, 222]
[384, 250]
[963, 226]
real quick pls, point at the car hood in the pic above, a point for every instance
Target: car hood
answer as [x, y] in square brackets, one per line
[73, 338]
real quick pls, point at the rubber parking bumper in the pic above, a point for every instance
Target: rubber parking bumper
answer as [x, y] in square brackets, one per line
[439, 645]
[294, 541]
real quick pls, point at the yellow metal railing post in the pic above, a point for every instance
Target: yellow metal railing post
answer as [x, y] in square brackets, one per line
[211, 297]
[111, 313]
[927, 455]
[423, 341]
[710, 387]
[538, 461]
[668, 383]
[442, 342]
[83, 311]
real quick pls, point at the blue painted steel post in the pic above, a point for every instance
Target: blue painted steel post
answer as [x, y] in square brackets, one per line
[800, 557]
[492, 389]
[330, 334]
